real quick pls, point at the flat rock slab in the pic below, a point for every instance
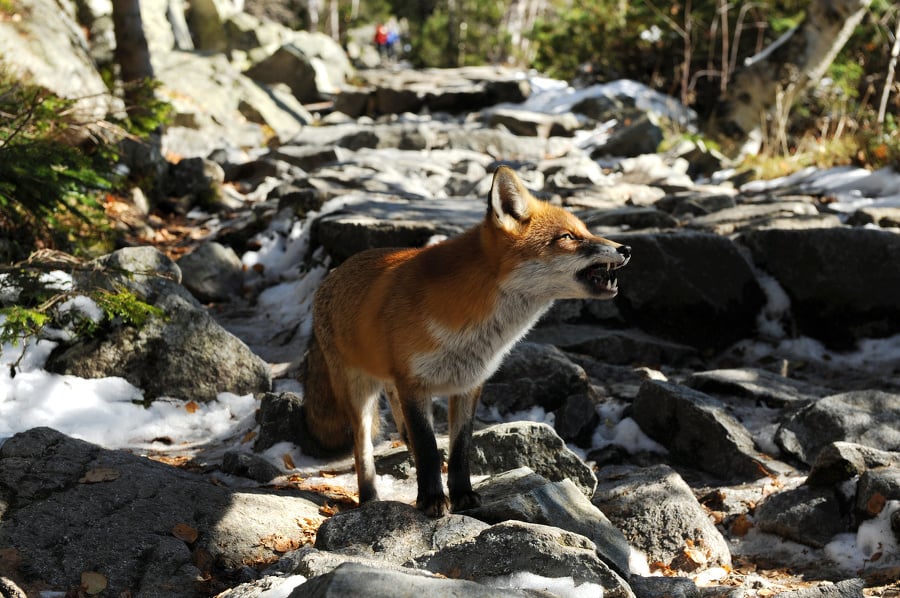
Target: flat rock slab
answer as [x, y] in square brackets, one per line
[764, 387]
[866, 417]
[70, 507]
[843, 283]
[394, 223]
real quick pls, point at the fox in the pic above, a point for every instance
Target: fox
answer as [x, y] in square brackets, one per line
[415, 323]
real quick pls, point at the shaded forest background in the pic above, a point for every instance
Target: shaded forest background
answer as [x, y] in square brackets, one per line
[688, 50]
[51, 186]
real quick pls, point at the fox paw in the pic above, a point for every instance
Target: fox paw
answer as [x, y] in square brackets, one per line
[466, 500]
[433, 506]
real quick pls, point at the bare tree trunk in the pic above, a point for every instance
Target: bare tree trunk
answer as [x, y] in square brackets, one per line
[781, 72]
[144, 158]
[452, 34]
[334, 20]
[312, 9]
[132, 53]
[889, 80]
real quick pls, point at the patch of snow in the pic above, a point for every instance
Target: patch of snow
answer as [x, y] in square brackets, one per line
[283, 588]
[108, 411]
[83, 306]
[874, 541]
[563, 587]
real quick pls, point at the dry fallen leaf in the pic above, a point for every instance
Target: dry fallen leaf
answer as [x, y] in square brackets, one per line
[695, 555]
[99, 474]
[662, 568]
[741, 525]
[11, 560]
[191, 406]
[92, 582]
[174, 461]
[185, 532]
[281, 543]
[288, 461]
[875, 504]
[248, 437]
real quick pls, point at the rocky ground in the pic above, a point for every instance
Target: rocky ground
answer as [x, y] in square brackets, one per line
[727, 426]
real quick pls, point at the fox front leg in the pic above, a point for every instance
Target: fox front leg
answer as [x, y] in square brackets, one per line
[459, 479]
[416, 407]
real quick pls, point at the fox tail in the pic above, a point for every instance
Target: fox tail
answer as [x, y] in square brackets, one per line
[326, 425]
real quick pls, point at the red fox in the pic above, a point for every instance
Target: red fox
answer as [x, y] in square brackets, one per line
[438, 321]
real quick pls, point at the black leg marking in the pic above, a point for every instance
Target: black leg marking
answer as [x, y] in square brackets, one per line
[431, 499]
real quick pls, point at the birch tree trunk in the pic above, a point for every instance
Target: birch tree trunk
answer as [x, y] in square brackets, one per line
[780, 73]
[889, 80]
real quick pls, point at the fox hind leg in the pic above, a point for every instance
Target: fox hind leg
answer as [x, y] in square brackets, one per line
[362, 394]
[396, 410]
[459, 479]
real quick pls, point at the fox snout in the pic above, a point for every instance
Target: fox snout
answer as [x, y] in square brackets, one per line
[616, 254]
[605, 257]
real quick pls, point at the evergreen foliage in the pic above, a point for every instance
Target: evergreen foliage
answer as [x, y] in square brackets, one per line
[462, 33]
[33, 291]
[49, 188]
[52, 188]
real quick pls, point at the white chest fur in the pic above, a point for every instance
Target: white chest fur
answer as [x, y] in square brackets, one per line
[468, 356]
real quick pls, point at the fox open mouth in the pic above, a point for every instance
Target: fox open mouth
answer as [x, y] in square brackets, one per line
[600, 278]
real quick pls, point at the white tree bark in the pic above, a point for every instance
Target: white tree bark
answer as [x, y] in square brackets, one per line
[781, 72]
[889, 80]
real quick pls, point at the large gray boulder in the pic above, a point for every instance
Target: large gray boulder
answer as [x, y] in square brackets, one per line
[353, 579]
[866, 417]
[658, 513]
[182, 353]
[49, 48]
[514, 546]
[697, 431]
[522, 495]
[692, 288]
[312, 65]
[71, 507]
[843, 283]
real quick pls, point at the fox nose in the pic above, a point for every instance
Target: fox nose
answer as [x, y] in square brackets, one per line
[625, 250]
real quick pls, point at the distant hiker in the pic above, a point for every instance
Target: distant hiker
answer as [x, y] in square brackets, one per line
[381, 39]
[393, 39]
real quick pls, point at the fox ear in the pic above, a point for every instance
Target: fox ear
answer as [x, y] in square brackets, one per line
[510, 202]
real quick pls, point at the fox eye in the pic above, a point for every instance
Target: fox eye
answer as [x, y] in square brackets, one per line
[566, 237]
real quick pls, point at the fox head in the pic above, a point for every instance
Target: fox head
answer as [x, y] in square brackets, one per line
[548, 251]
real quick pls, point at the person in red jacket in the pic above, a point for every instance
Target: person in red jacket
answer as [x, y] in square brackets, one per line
[381, 39]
